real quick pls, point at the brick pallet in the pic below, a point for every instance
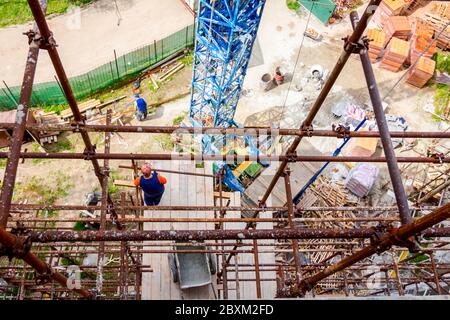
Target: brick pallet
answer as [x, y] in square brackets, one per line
[438, 23]
[421, 73]
[395, 55]
[377, 39]
[421, 39]
[388, 8]
[397, 26]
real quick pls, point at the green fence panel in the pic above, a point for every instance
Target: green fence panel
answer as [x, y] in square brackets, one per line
[121, 68]
[322, 9]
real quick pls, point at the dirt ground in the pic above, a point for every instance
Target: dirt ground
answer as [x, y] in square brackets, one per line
[87, 38]
[279, 40]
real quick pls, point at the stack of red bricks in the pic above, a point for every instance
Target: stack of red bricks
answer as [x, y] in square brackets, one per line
[421, 73]
[397, 26]
[422, 42]
[388, 8]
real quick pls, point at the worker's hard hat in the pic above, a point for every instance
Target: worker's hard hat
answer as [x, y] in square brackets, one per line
[146, 168]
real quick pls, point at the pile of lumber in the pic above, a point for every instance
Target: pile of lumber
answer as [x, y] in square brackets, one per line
[422, 39]
[361, 179]
[83, 107]
[421, 73]
[377, 39]
[169, 71]
[397, 26]
[395, 55]
[50, 118]
[388, 8]
[438, 24]
[442, 9]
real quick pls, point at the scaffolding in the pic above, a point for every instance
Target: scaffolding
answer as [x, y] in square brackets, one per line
[42, 257]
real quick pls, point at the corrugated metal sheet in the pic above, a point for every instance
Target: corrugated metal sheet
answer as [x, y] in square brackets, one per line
[322, 9]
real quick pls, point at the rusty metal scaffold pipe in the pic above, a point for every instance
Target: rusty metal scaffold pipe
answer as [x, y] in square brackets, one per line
[200, 235]
[398, 237]
[307, 123]
[248, 131]
[19, 126]
[380, 117]
[50, 44]
[206, 157]
[14, 243]
[24, 206]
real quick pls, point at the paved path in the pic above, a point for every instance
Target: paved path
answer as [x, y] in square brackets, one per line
[87, 39]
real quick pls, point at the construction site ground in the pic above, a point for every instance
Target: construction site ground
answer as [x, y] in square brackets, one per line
[89, 37]
[256, 107]
[280, 38]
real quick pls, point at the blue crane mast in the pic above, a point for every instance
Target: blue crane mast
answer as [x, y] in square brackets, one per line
[225, 33]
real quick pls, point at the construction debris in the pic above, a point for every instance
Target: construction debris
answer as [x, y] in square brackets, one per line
[361, 179]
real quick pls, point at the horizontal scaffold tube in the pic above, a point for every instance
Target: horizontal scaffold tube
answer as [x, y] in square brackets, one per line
[203, 157]
[187, 235]
[248, 131]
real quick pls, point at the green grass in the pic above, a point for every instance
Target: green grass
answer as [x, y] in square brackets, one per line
[17, 11]
[188, 59]
[45, 191]
[177, 121]
[293, 4]
[55, 108]
[114, 175]
[441, 98]
[165, 141]
[442, 61]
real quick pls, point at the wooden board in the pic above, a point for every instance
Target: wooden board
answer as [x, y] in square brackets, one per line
[247, 289]
[180, 190]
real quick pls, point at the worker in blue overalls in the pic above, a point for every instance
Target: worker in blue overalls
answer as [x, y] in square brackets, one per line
[141, 108]
[152, 184]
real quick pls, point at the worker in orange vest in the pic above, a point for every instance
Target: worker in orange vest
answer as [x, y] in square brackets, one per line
[152, 184]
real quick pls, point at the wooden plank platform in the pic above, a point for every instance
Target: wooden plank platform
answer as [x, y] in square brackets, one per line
[180, 190]
[247, 289]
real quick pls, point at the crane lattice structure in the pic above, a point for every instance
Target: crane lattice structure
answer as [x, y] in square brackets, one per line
[225, 34]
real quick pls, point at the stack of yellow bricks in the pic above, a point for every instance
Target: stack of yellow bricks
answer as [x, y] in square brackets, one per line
[377, 39]
[395, 55]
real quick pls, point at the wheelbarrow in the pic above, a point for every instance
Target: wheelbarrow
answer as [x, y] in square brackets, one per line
[192, 269]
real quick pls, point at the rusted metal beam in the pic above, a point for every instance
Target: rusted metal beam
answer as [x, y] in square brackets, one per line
[257, 273]
[188, 235]
[233, 158]
[398, 237]
[23, 206]
[247, 131]
[200, 220]
[17, 246]
[290, 204]
[377, 105]
[19, 126]
[104, 211]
